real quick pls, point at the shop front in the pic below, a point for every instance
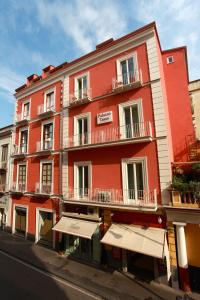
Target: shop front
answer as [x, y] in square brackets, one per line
[80, 239]
[44, 227]
[142, 251]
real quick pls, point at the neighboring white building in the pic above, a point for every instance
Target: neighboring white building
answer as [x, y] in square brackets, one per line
[194, 90]
[5, 176]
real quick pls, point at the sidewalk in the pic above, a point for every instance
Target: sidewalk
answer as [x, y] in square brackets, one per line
[110, 286]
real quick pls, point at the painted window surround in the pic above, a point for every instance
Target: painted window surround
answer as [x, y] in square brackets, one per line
[42, 132]
[81, 164]
[87, 74]
[125, 57]
[129, 103]
[126, 161]
[22, 164]
[19, 139]
[76, 131]
[52, 175]
[45, 97]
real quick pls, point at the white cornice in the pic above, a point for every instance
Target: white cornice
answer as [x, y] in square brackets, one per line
[89, 61]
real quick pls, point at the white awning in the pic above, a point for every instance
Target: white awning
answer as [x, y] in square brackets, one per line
[76, 227]
[149, 241]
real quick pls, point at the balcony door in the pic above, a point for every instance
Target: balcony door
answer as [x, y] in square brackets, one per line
[26, 110]
[23, 141]
[82, 87]
[4, 155]
[46, 182]
[83, 181]
[21, 178]
[83, 131]
[50, 101]
[127, 70]
[48, 136]
[131, 121]
[135, 181]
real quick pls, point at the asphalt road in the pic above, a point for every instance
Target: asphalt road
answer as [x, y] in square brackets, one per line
[20, 281]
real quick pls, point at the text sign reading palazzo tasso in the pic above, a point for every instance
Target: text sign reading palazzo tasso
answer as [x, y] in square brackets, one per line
[105, 117]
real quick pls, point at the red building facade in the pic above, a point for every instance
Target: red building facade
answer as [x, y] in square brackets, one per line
[110, 132]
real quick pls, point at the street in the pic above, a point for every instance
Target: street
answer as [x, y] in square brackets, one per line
[19, 280]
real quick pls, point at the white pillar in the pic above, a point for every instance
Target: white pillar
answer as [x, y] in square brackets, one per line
[181, 245]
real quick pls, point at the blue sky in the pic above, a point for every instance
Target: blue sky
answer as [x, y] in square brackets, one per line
[37, 33]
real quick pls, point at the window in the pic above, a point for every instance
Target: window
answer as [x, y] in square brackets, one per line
[82, 131]
[48, 136]
[26, 110]
[127, 70]
[131, 119]
[134, 178]
[4, 153]
[50, 100]
[46, 178]
[82, 179]
[23, 141]
[170, 59]
[21, 178]
[2, 182]
[81, 87]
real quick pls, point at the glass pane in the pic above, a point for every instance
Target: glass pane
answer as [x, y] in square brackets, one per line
[80, 131]
[80, 88]
[86, 179]
[131, 69]
[80, 180]
[139, 178]
[124, 72]
[127, 116]
[131, 184]
[85, 131]
[85, 84]
[135, 121]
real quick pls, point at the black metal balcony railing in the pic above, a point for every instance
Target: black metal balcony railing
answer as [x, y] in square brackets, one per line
[120, 197]
[136, 131]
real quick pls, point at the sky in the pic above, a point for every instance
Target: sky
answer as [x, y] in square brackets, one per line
[36, 33]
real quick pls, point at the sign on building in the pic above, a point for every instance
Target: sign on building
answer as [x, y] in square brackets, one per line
[104, 117]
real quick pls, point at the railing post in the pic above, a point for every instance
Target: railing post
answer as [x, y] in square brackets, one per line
[155, 197]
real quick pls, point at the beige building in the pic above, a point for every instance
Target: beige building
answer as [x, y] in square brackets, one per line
[194, 90]
[5, 176]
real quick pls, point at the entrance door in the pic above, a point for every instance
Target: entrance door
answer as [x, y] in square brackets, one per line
[20, 220]
[45, 227]
[2, 218]
[140, 265]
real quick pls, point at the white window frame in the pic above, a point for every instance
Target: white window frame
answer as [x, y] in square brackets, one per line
[121, 107]
[23, 104]
[82, 164]
[42, 132]
[170, 59]
[14, 216]
[17, 181]
[45, 97]
[38, 209]
[47, 161]
[76, 83]
[76, 118]
[125, 57]
[133, 160]
[19, 140]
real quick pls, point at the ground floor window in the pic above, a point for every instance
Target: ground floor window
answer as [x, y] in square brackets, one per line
[20, 220]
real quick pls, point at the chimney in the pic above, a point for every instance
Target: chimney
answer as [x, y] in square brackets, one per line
[30, 79]
[45, 71]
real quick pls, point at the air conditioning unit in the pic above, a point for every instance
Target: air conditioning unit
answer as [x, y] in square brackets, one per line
[103, 196]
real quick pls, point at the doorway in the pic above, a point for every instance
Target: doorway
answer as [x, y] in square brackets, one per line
[20, 221]
[45, 224]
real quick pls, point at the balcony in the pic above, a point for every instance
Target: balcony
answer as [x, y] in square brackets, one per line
[127, 81]
[18, 188]
[44, 190]
[22, 119]
[3, 165]
[19, 151]
[185, 199]
[80, 97]
[45, 112]
[136, 133]
[44, 147]
[113, 198]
